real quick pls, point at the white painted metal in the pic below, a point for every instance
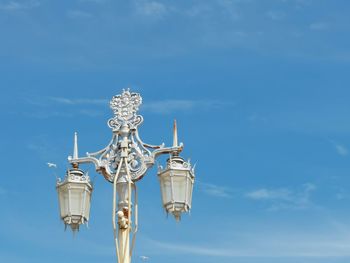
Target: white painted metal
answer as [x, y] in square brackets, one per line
[125, 160]
[74, 195]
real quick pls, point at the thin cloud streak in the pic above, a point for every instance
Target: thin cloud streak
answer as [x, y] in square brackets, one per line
[284, 198]
[162, 107]
[153, 9]
[215, 190]
[79, 101]
[168, 106]
[51, 106]
[94, 1]
[340, 148]
[288, 246]
[275, 15]
[15, 5]
[3, 191]
[78, 14]
[319, 26]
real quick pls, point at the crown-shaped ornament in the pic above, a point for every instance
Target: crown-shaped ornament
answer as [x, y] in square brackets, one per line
[126, 105]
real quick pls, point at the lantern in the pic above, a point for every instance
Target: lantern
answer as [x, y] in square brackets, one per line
[74, 195]
[176, 186]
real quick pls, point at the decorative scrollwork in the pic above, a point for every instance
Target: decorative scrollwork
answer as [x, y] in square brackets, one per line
[125, 107]
[141, 156]
[114, 124]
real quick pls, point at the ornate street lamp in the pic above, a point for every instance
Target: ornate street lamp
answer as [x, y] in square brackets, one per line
[176, 183]
[74, 195]
[123, 162]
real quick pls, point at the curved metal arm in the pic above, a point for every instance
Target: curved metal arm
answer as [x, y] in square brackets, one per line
[103, 165]
[85, 160]
[125, 159]
[140, 156]
[167, 150]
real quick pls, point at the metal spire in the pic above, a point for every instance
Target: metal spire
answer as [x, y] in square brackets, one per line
[75, 151]
[175, 143]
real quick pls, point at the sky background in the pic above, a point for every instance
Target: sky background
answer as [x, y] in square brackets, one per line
[260, 90]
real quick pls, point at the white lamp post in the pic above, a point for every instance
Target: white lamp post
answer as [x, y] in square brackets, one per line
[123, 162]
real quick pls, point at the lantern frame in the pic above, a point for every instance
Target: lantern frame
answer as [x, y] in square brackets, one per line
[74, 196]
[175, 201]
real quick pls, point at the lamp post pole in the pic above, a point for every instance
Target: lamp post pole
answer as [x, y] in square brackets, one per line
[123, 162]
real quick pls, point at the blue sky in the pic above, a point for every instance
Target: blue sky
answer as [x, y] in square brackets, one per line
[260, 90]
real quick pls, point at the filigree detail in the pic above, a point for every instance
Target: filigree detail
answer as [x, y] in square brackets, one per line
[125, 107]
[141, 156]
[178, 163]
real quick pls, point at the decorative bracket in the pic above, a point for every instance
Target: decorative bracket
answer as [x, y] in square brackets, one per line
[124, 124]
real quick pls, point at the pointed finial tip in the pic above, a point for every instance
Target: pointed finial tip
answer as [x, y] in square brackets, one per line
[175, 142]
[75, 149]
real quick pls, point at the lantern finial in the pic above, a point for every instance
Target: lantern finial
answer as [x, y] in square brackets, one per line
[175, 143]
[75, 151]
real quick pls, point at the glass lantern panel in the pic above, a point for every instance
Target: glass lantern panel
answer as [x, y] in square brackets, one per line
[189, 191]
[63, 200]
[165, 188]
[76, 194]
[87, 204]
[179, 187]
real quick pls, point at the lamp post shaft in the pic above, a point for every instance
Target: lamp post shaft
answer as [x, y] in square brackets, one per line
[122, 239]
[124, 214]
[124, 245]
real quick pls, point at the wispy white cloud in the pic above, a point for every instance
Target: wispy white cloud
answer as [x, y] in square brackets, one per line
[28, 235]
[160, 107]
[150, 8]
[275, 15]
[342, 195]
[196, 250]
[231, 9]
[265, 194]
[215, 190]
[167, 106]
[340, 148]
[163, 106]
[42, 114]
[42, 146]
[325, 119]
[282, 245]
[78, 14]
[319, 26]
[257, 118]
[284, 198]
[94, 1]
[197, 10]
[90, 112]
[45, 114]
[3, 191]
[18, 5]
[79, 101]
